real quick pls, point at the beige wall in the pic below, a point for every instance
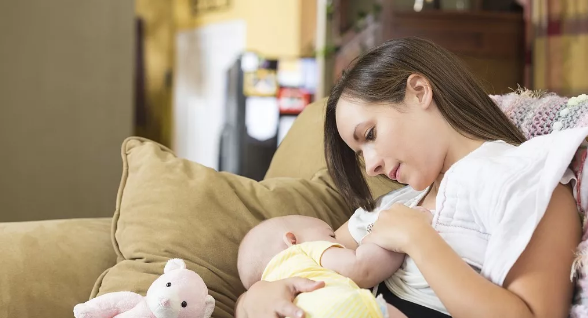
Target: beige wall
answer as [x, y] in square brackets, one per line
[65, 106]
[275, 28]
[158, 57]
[308, 25]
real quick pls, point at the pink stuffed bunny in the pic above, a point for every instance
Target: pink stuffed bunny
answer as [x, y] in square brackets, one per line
[178, 293]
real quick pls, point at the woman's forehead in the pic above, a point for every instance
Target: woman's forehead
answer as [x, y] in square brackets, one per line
[351, 107]
[350, 111]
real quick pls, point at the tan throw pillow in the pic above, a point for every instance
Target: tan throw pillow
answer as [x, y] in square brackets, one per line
[169, 207]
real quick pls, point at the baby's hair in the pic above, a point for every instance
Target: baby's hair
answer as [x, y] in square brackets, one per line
[255, 256]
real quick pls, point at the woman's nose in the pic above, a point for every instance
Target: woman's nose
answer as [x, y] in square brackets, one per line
[373, 166]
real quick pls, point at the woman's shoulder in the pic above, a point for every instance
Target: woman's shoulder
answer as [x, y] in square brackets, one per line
[496, 160]
[499, 173]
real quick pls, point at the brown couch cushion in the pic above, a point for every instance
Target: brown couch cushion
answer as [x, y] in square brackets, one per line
[301, 153]
[47, 267]
[169, 207]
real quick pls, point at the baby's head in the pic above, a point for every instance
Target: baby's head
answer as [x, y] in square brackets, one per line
[271, 237]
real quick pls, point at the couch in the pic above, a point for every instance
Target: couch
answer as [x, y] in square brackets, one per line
[166, 207]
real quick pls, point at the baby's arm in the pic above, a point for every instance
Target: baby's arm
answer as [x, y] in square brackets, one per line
[367, 266]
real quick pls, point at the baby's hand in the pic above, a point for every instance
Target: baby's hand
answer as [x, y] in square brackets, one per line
[426, 211]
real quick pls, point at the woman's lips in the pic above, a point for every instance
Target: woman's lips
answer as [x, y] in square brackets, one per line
[394, 173]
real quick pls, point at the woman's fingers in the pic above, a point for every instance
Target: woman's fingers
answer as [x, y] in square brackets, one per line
[303, 285]
[275, 299]
[428, 214]
[297, 285]
[420, 208]
[288, 309]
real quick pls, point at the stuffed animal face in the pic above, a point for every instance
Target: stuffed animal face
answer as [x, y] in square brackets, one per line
[179, 293]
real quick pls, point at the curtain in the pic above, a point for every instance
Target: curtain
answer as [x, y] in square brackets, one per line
[558, 45]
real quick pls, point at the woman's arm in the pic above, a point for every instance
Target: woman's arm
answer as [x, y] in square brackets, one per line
[537, 286]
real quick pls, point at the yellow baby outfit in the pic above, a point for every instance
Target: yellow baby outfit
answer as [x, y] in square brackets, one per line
[340, 298]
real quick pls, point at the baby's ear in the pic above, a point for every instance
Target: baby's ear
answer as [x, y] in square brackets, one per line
[290, 239]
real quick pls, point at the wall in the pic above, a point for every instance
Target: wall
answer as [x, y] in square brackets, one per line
[65, 106]
[207, 45]
[308, 27]
[273, 28]
[158, 33]
[281, 28]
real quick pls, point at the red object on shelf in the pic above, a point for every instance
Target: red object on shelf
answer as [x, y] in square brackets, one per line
[292, 101]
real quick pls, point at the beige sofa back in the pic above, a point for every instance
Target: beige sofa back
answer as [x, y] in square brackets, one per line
[66, 74]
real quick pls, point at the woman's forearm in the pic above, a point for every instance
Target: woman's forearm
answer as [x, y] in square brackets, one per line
[464, 292]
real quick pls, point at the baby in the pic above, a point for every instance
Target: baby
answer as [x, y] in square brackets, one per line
[300, 246]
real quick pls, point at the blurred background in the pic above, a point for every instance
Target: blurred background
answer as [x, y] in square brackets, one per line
[221, 81]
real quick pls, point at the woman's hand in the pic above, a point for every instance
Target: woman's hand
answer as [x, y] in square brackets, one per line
[399, 227]
[274, 299]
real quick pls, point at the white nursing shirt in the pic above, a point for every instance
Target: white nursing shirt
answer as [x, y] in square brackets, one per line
[488, 205]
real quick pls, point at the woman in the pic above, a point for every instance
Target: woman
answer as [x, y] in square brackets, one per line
[410, 111]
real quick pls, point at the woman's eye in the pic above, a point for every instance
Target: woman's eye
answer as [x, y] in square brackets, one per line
[370, 135]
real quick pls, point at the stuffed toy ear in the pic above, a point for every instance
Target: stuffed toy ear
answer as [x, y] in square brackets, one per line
[209, 306]
[174, 264]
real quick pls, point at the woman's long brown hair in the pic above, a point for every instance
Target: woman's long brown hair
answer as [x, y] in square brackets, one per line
[380, 76]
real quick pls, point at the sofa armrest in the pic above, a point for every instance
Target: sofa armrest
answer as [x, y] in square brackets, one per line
[47, 267]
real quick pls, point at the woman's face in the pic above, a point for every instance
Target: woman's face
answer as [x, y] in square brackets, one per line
[406, 142]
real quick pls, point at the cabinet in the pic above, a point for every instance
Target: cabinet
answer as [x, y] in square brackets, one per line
[491, 44]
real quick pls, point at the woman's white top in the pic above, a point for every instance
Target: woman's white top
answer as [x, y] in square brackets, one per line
[488, 205]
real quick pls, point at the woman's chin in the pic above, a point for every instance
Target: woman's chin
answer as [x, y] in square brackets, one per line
[418, 186]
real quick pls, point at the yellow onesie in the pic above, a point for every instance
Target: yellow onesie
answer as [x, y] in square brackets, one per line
[340, 298]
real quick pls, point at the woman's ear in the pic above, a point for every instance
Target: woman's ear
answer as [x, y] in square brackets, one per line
[418, 91]
[290, 239]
